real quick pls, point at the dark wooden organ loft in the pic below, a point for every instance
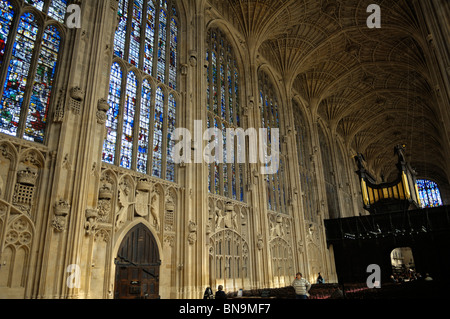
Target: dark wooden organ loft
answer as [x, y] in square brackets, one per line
[395, 220]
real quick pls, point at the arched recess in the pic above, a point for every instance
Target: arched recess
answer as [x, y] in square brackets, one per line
[17, 232]
[137, 265]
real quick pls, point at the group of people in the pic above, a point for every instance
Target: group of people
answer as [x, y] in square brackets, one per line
[220, 294]
[409, 275]
[300, 284]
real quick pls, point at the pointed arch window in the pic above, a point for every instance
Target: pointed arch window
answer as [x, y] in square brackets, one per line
[226, 178]
[429, 193]
[307, 176]
[29, 55]
[142, 91]
[329, 174]
[270, 119]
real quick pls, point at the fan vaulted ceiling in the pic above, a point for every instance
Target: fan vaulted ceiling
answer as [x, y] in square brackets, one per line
[371, 86]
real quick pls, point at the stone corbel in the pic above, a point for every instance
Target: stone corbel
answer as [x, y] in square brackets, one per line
[91, 221]
[260, 242]
[102, 109]
[76, 100]
[193, 58]
[184, 69]
[61, 211]
[192, 237]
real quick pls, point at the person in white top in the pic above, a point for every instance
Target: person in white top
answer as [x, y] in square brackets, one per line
[301, 286]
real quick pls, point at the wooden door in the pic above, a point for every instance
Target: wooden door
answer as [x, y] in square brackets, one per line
[137, 266]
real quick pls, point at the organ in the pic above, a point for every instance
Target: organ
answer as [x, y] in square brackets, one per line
[398, 195]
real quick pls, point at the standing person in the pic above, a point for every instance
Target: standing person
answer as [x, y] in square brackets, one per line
[220, 294]
[208, 294]
[320, 279]
[301, 286]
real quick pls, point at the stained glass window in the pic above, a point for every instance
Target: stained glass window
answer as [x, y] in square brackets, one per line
[307, 176]
[39, 4]
[115, 93]
[18, 73]
[29, 56]
[328, 172]
[143, 105]
[429, 193]
[170, 169]
[121, 32]
[126, 155]
[135, 37]
[158, 134]
[58, 10]
[270, 120]
[226, 177]
[43, 83]
[161, 65]
[149, 37]
[6, 17]
[144, 127]
[173, 54]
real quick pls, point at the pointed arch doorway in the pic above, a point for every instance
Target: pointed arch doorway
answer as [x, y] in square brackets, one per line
[137, 266]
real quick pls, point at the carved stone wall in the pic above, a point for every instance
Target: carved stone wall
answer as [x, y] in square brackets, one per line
[61, 208]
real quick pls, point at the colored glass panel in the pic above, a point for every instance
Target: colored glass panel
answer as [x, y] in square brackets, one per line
[126, 154]
[17, 76]
[162, 38]
[121, 32]
[208, 79]
[6, 17]
[43, 84]
[214, 88]
[144, 127]
[429, 193]
[57, 10]
[38, 4]
[158, 134]
[173, 54]
[112, 120]
[225, 165]
[222, 91]
[135, 36]
[170, 170]
[149, 38]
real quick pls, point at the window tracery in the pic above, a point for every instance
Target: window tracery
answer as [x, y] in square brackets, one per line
[270, 119]
[143, 104]
[226, 177]
[29, 52]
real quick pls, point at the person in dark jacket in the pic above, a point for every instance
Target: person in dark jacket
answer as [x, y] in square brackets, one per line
[220, 294]
[208, 294]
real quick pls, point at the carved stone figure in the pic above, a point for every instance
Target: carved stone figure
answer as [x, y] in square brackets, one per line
[124, 204]
[154, 210]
